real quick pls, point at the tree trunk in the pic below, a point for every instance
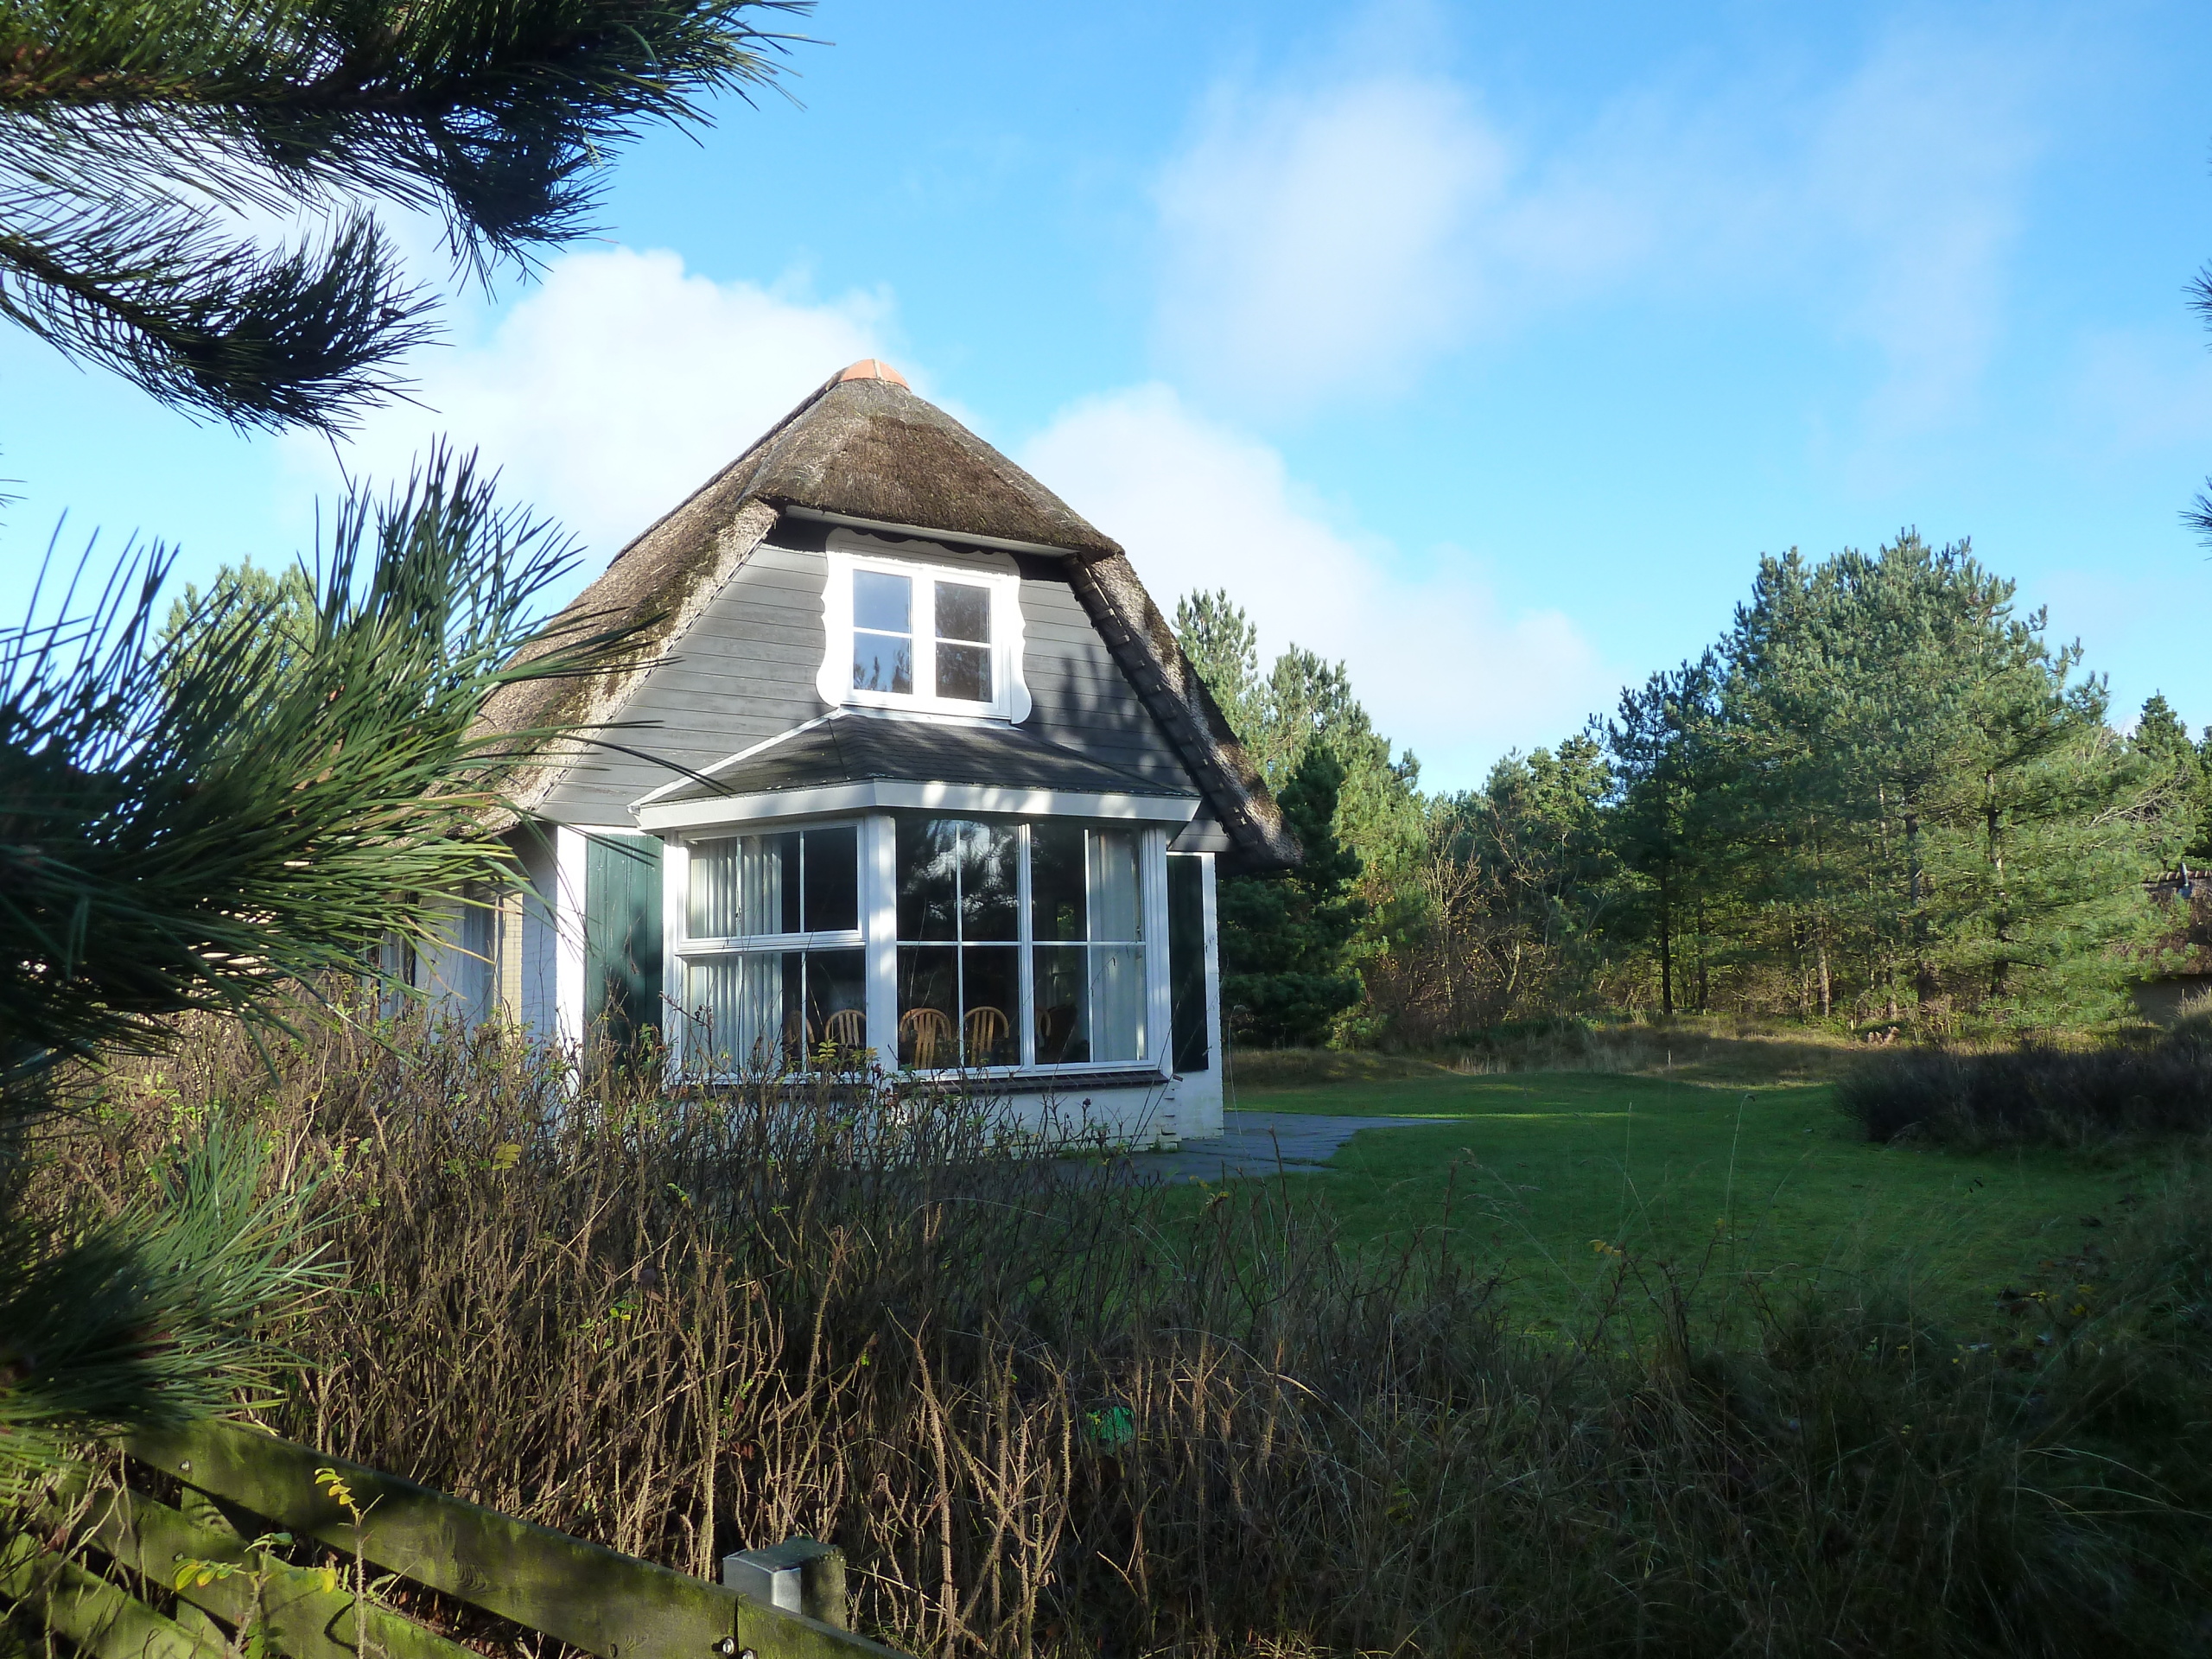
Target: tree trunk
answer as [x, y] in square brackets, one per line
[1924, 984]
[2002, 924]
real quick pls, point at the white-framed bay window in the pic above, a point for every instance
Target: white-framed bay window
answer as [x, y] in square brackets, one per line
[941, 941]
[772, 951]
[904, 634]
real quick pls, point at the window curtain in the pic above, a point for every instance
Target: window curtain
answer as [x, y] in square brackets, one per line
[737, 890]
[1117, 988]
[740, 1002]
[737, 887]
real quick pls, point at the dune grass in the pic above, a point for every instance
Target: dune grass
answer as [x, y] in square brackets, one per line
[1732, 1184]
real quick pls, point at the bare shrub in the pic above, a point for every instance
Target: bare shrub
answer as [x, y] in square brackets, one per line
[2038, 1093]
[1049, 1408]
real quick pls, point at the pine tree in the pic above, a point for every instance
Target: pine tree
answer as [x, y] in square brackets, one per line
[1303, 700]
[1286, 935]
[1921, 788]
[2184, 809]
[1224, 647]
[1538, 832]
[1658, 743]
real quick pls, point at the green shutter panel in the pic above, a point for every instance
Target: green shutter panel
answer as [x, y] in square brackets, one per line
[622, 965]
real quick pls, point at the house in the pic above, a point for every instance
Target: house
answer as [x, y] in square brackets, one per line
[907, 760]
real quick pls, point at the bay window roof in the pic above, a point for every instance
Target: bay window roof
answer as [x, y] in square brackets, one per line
[994, 766]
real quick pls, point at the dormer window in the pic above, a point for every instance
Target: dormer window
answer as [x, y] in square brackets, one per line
[907, 634]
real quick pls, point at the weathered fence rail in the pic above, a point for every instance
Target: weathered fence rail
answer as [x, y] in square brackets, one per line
[240, 1485]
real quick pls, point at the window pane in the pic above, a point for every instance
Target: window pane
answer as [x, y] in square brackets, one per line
[1056, 895]
[928, 860]
[744, 887]
[882, 662]
[964, 612]
[988, 1035]
[1116, 912]
[713, 906]
[776, 860]
[770, 1010]
[836, 999]
[833, 880]
[928, 1007]
[1187, 962]
[1117, 1001]
[964, 671]
[885, 603]
[737, 1004]
[1063, 1000]
[989, 895]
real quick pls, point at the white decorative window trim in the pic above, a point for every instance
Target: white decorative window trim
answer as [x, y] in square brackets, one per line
[835, 680]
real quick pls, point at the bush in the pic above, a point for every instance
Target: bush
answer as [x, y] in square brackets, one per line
[1050, 1409]
[2038, 1094]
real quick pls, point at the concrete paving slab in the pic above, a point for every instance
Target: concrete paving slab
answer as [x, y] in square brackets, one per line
[1260, 1144]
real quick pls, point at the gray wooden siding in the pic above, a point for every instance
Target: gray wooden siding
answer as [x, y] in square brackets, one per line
[746, 673]
[1082, 700]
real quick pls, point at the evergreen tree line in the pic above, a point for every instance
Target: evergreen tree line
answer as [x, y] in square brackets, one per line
[1883, 795]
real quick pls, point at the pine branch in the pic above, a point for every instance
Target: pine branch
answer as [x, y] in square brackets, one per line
[488, 110]
[194, 828]
[497, 115]
[150, 1317]
[298, 336]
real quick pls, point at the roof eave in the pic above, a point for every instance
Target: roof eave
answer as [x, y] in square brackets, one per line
[938, 532]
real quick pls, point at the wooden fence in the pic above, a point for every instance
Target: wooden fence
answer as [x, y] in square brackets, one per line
[238, 1485]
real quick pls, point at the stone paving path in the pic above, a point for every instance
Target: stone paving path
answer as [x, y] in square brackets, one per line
[1260, 1143]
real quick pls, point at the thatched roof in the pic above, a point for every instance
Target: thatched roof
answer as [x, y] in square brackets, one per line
[863, 448]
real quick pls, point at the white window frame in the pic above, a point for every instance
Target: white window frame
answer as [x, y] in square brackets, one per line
[1152, 900]
[1010, 698]
[681, 947]
[878, 937]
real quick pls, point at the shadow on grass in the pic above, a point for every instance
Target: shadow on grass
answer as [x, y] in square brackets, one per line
[1690, 1050]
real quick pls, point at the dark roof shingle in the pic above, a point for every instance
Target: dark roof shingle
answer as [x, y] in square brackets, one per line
[855, 746]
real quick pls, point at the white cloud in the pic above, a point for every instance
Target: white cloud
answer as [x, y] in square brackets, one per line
[1329, 240]
[1913, 175]
[1440, 665]
[615, 387]
[1314, 243]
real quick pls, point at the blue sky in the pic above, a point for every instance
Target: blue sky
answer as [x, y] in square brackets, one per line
[1485, 348]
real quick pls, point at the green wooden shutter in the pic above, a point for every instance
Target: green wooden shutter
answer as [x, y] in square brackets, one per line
[622, 965]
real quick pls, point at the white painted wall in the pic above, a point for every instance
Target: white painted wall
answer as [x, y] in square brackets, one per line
[568, 855]
[1198, 1102]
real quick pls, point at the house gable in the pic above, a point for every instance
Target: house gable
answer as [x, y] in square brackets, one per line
[745, 671]
[726, 597]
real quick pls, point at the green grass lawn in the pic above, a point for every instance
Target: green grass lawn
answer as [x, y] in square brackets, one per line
[1540, 1168]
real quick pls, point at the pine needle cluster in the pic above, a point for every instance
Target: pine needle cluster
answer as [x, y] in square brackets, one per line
[156, 156]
